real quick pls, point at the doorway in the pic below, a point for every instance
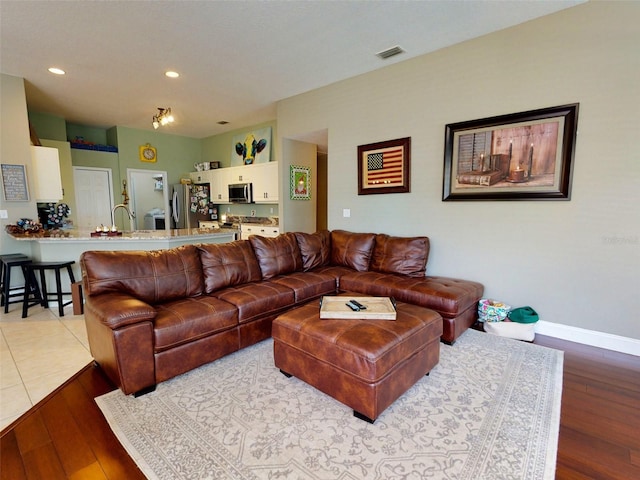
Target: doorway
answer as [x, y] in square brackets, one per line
[316, 217]
[93, 187]
[149, 199]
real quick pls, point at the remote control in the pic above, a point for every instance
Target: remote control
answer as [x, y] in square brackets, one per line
[352, 307]
[358, 304]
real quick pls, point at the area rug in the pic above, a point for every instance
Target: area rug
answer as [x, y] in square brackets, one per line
[489, 410]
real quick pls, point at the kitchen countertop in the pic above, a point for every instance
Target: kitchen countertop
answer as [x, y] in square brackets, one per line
[70, 247]
[146, 235]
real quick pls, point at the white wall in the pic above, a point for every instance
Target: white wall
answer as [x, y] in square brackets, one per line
[300, 214]
[15, 148]
[576, 262]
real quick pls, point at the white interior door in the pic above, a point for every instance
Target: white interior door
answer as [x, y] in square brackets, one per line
[148, 196]
[93, 188]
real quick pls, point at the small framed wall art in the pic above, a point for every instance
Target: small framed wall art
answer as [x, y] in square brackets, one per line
[300, 187]
[14, 183]
[383, 167]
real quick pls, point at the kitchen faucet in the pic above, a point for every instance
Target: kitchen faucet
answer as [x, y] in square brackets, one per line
[121, 205]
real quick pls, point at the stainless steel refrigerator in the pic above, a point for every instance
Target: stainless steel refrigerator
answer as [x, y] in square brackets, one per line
[191, 204]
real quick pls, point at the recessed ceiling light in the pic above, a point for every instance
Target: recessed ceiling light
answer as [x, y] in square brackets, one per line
[57, 71]
[172, 74]
[222, 122]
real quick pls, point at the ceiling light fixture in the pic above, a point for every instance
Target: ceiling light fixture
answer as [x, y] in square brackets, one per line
[172, 74]
[57, 71]
[163, 117]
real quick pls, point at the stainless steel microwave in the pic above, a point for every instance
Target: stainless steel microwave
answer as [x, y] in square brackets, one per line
[241, 193]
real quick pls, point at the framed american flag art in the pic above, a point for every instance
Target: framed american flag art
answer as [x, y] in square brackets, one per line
[383, 167]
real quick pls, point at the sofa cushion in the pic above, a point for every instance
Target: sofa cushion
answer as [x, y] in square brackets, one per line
[257, 299]
[154, 276]
[189, 319]
[308, 285]
[228, 264]
[334, 271]
[315, 248]
[449, 297]
[352, 250]
[402, 255]
[278, 255]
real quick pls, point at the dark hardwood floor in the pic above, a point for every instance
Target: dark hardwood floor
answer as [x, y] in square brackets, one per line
[600, 417]
[66, 437]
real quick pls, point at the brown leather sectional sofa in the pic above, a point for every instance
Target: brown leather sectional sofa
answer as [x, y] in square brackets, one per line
[152, 315]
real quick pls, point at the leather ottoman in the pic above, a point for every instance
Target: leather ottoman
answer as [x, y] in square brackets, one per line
[365, 364]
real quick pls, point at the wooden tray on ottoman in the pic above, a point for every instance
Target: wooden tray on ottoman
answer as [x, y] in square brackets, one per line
[378, 308]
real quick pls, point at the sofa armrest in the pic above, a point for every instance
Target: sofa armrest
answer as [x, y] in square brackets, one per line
[116, 310]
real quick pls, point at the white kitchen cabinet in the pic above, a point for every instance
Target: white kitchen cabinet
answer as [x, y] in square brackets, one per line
[47, 182]
[241, 174]
[263, 176]
[199, 177]
[220, 185]
[248, 229]
[265, 182]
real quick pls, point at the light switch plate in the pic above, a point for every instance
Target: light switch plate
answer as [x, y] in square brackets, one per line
[346, 212]
[4, 214]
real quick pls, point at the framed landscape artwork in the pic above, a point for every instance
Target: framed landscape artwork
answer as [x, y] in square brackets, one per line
[383, 167]
[520, 156]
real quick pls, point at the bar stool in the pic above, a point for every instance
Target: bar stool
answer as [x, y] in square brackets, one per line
[7, 262]
[35, 295]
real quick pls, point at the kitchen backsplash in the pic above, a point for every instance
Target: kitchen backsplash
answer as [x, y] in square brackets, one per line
[238, 219]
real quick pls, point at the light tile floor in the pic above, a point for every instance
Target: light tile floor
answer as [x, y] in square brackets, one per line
[37, 355]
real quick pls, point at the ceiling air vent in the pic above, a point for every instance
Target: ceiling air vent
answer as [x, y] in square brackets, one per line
[390, 52]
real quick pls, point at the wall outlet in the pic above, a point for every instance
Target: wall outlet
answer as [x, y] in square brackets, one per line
[346, 212]
[4, 214]
[253, 213]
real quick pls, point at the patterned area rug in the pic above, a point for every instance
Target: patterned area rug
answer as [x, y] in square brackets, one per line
[489, 410]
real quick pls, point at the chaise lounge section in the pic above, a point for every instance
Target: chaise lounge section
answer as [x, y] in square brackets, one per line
[153, 315]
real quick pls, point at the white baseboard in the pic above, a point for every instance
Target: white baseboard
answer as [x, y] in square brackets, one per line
[607, 341]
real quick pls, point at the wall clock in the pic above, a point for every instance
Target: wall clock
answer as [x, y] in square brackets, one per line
[148, 153]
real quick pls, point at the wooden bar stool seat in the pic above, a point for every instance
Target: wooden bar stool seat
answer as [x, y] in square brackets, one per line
[39, 294]
[7, 262]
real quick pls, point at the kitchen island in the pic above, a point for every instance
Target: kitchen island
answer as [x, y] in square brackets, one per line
[71, 244]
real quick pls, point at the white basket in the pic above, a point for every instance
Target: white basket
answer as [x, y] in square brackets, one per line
[517, 331]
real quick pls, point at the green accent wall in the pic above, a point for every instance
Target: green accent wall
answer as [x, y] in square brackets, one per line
[48, 126]
[94, 135]
[218, 148]
[175, 154]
